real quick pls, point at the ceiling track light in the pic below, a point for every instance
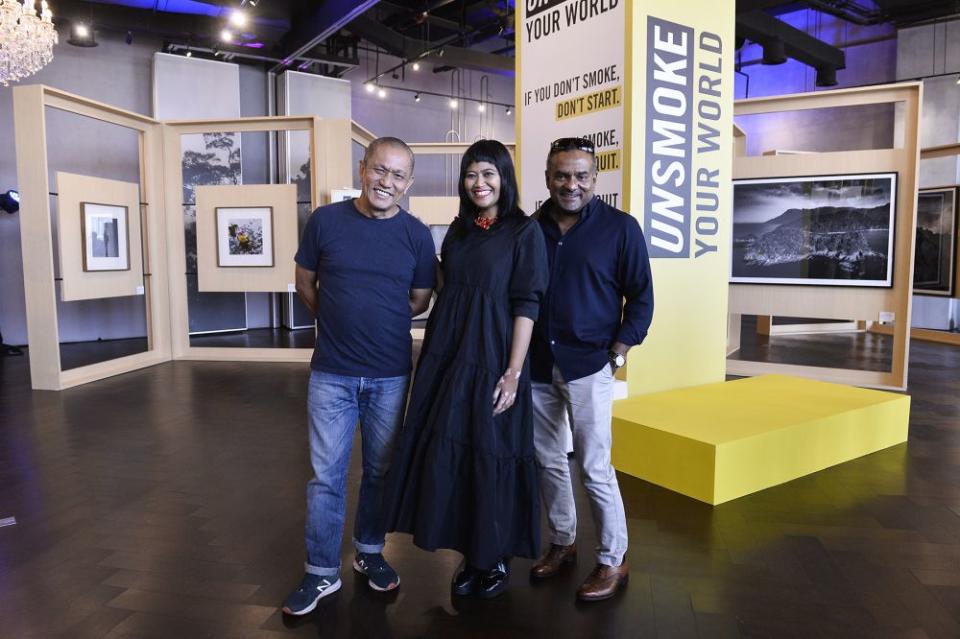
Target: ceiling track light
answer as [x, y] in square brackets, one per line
[82, 35]
[481, 107]
[381, 93]
[453, 103]
[509, 110]
[415, 66]
[416, 98]
[238, 18]
[369, 87]
[226, 35]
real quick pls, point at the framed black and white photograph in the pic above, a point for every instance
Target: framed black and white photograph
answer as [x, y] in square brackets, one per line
[245, 236]
[340, 195]
[105, 237]
[935, 253]
[830, 230]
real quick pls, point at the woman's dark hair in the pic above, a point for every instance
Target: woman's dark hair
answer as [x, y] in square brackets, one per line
[492, 151]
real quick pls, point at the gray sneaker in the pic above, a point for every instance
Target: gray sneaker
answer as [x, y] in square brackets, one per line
[380, 575]
[312, 589]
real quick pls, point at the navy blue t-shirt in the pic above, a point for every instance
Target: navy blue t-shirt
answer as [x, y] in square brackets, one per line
[365, 269]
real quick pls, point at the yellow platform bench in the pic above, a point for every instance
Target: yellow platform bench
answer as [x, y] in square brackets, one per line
[721, 441]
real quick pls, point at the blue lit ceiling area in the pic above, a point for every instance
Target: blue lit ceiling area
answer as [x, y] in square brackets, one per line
[324, 36]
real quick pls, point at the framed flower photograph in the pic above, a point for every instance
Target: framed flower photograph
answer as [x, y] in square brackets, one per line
[245, 236]
[105, 237]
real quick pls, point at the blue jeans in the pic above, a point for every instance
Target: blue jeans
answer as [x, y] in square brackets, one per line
[334, 405]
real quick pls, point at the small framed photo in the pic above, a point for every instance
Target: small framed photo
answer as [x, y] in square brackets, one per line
[340, 195]
[245, 236]
[105, 237]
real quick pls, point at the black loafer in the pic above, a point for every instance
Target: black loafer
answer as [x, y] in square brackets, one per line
[494, 581]
[465, 580]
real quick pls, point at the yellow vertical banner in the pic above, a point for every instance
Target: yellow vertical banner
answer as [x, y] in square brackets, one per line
[679, 111]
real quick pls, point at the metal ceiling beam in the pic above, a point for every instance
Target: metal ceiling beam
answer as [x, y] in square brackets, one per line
[760, 27]
[309, 32]
[409, 49]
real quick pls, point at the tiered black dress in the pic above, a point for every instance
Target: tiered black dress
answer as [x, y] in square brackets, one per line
[461, 478]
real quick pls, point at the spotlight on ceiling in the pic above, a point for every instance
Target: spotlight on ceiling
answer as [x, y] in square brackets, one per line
[381, 93]
[189, 53]
[369, 87]
[238, 18]
[226, 35]
[82, 35]
[509, 110]
[481, 107]
[10, 201]
[774, 52]
[826, 77]
[958, 79]
[453, 103]
[415, 66]
[416, 98]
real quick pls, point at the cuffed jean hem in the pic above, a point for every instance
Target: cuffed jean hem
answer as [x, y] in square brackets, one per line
[559, 539]
[321, 572]
[611, 560]
[370, 549]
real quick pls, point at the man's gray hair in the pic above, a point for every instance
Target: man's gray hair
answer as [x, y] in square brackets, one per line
[388, 141]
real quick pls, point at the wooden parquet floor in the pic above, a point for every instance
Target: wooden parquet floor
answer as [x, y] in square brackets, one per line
[168, 503]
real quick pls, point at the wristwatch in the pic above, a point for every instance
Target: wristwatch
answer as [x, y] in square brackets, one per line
[617, 359]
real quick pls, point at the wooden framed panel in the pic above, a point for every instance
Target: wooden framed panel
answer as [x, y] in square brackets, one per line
[439, 210]
[84, 201]
[329, 145]
[145, 214]
[266, 264]
[867, 304]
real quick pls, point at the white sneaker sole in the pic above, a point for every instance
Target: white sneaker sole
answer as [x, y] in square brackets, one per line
[335, 586]
[372, 585]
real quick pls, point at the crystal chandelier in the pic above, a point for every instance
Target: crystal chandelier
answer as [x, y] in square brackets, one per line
[26, 39]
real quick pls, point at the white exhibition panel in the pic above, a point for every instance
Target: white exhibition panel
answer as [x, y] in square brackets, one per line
[121, 275]
[215, 269]
[570, 86]
[194, 89]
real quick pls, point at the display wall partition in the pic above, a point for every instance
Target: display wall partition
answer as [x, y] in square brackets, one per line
[247, 238]
[111, 238]
[827, 235]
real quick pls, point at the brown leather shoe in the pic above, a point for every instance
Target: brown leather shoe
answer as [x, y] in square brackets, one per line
[555, 558]
[604, 582]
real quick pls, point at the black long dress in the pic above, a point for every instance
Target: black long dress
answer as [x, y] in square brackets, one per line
[462, 478]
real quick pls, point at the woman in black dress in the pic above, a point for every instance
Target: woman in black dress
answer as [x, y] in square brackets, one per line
[464, 476]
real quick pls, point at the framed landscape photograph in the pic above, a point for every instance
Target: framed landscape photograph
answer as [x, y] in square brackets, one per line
[105, 237]
[830, 230]
[245, 236]
[935, 253]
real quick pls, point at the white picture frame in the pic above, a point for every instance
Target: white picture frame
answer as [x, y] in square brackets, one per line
[824, 230]
[244, 236]
[340, 195]
[105, 234]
